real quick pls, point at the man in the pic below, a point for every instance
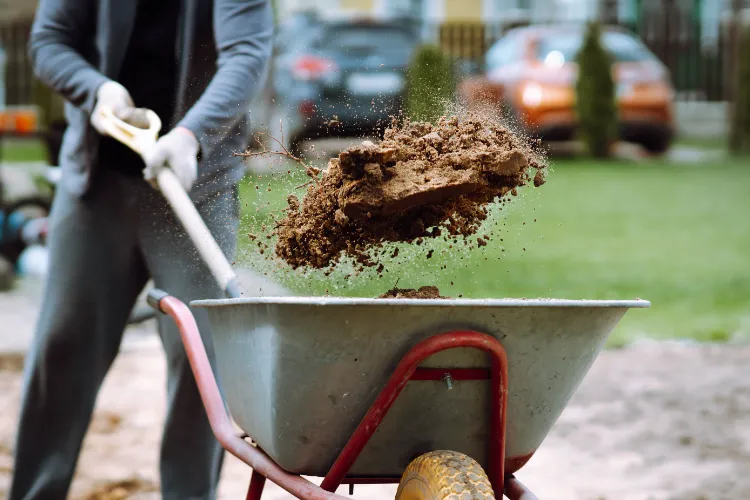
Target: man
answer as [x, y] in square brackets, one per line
[197, 64]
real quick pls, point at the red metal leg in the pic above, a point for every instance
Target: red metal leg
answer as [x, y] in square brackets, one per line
[255, 490]
[515, 490]
[404, 372]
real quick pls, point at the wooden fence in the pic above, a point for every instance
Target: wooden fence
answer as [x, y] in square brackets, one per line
[698, 65]
[19, 79]
[669, 28]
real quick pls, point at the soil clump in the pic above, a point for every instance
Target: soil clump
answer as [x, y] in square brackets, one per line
[422, 181]
[424, 292]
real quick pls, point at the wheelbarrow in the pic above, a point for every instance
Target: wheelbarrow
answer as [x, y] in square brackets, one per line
[448, 398]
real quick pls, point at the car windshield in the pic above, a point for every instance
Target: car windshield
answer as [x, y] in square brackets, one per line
[564, 47]
[365, 37]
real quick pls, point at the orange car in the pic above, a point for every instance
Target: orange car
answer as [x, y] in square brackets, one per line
[532, 71]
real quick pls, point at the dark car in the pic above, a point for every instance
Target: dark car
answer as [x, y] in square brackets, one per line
[339, 77]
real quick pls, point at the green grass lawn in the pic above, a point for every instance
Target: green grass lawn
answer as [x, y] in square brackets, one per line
[22, 150]
[678, 236]
[702, 142]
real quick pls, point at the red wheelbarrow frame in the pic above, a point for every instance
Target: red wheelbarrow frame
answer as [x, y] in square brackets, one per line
[407, 370]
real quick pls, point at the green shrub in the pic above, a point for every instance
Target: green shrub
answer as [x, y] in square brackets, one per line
[431, 83]
[595, 95]
[51, 105]
[740, 129]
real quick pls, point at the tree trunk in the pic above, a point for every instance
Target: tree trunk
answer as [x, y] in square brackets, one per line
[735, 118]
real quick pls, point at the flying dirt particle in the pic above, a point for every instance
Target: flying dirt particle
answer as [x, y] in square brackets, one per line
[686, 440]
[429, 254]
[395, 253]
[539, 179]
[251, 236]
[451, 283]
[257, 187]
[481, 242]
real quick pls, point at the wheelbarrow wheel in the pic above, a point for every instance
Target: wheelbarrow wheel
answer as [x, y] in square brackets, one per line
[444, 475]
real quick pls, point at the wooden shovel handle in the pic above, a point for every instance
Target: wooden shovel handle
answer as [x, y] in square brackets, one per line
[202, 238]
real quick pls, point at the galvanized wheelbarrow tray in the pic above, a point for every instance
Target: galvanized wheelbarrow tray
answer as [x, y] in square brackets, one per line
[376, 390]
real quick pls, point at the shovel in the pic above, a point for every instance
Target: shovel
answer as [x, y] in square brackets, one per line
[138, 139]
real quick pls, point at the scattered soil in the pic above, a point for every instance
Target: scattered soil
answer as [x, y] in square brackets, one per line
[11, 362]
[424, 292]
[106, 422]
[658, 421]
[421, 181]
[121, 490]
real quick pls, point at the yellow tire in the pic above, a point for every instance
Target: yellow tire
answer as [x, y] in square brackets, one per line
[444, 475]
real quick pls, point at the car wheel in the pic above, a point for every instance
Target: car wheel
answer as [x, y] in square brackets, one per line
[657, 144]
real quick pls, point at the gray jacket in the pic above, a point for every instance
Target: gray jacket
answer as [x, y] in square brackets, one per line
[76, 45]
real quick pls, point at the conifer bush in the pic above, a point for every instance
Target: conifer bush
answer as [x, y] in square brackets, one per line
[595, 95]
[431, 83]
[740, 129]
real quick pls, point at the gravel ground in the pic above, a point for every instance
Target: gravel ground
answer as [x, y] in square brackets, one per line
[652, 421]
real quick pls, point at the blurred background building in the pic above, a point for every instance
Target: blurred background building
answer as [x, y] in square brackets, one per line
[691, 37]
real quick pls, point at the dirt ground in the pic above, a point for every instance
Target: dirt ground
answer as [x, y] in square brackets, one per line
[653, 421]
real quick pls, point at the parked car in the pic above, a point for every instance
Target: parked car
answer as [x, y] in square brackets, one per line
[532, 71]
[338, 77]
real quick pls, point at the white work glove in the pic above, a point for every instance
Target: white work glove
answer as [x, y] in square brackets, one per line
[114, 96]
[177, 150]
